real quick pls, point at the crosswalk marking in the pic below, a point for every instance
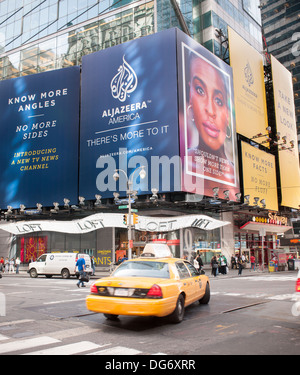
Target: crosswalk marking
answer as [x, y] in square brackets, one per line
[280, 297]
[70, 349]
[16, 322]
[117, 350]
[64, 301]
[27, 344]
[2, 337]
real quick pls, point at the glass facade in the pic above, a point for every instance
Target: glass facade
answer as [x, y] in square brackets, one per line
[35, 51]
[36, 36]
[243, 16]
[282, 32]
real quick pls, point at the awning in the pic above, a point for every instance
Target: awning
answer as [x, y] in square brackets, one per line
[269, 228]
[110, 220]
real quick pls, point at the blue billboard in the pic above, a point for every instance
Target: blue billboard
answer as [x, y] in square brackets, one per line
[39, 138]
[129, 117]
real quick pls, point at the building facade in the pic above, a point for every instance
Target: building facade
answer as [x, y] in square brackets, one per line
[40, 36]
[281, 30]
[36, 36]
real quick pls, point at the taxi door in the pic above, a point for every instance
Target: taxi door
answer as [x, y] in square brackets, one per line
[187, 282]
[197, 282]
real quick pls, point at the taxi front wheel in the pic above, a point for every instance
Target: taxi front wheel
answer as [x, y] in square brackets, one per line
[205, 299]
[178, 314]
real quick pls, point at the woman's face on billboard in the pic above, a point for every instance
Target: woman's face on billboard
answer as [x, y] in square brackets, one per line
[208, 99]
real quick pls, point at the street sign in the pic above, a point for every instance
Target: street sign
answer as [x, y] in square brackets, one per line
[122, 207]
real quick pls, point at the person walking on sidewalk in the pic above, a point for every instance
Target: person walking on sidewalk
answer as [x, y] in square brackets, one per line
[81, 269]
[214, 266]
[240, 265]
[17, 264]
[252, 261]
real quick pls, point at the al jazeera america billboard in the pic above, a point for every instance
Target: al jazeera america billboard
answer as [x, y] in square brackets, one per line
[129, 117]
[286, 126]
[207, 124]
[259, 175]
[39, 127]
[249, 87]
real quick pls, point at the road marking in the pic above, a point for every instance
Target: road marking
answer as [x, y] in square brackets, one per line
[16, 322]
[64, 301]
[26, 344]
[72, 332]
[281, 297]
[75, 348]
[117, 350]
[2, 338]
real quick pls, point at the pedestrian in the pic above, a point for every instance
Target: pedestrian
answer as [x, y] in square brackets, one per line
[12, 265]
[2, 264]
[240, 265]
[196, 264]
[233, 262]
[17, 265]
[93, 264]
[252, 261]
[81, 269]
[223, 264]
[199, 260]
[214, 266]
[6, 265]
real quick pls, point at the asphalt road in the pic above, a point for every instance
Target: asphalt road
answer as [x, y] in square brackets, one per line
[246, 315]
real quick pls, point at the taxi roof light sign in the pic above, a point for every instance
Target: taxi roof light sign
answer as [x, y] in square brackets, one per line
[154, 250]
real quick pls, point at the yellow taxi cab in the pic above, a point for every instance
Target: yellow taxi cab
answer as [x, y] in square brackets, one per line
[155, 284]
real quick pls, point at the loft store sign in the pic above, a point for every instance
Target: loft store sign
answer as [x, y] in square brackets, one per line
[99, 221]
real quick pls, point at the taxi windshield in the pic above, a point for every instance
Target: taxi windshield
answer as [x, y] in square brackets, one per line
[143, 269]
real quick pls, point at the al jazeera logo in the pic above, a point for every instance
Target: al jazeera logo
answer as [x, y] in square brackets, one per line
[249, 75]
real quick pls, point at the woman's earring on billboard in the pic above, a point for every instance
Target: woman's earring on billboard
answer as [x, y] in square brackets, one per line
[228, 132]
[192, 115]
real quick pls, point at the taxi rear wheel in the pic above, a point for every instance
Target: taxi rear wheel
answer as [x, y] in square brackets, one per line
[111, 316]
[178, 314]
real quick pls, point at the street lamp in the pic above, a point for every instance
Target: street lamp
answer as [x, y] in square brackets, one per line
[130, 193]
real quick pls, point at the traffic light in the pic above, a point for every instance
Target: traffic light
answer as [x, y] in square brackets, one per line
[125, 219]
[135, 219]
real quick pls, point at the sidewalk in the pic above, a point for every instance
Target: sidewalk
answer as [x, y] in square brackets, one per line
[232, 273]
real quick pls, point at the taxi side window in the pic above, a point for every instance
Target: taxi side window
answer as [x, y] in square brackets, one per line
[192, 269]
[182, 270]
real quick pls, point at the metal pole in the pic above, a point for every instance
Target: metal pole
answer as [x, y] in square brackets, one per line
[129, 219]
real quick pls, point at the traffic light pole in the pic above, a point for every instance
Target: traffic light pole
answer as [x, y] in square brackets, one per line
[130, 193]
[130, 244]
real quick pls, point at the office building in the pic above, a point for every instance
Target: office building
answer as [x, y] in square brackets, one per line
[281, 31]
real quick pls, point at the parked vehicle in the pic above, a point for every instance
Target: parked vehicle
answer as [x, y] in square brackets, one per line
[296, 305]
[58, 264]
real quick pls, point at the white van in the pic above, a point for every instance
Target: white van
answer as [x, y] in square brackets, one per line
[58, 264]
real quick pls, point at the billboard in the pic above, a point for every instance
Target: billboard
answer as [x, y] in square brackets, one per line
[129, 117]
[286, 126]
[249, 87]
[39, 138]
[259, 175]
[207, 121]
